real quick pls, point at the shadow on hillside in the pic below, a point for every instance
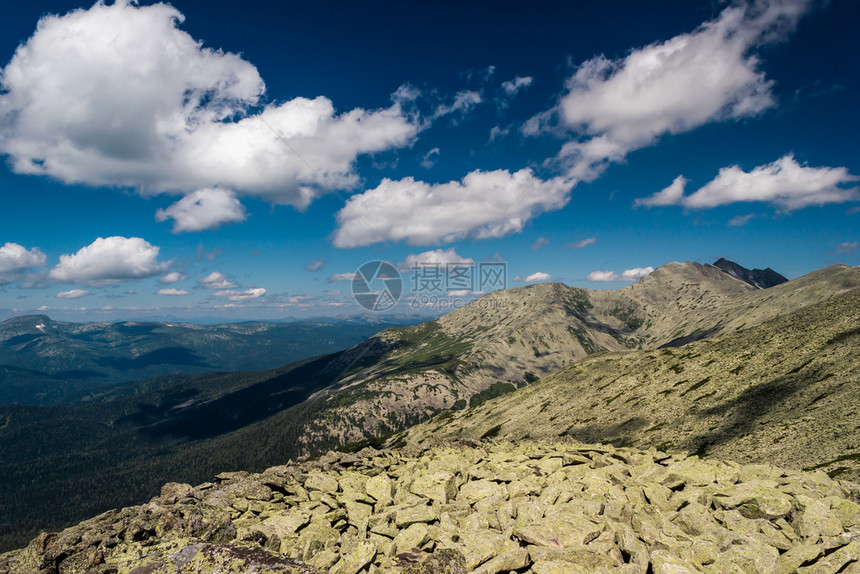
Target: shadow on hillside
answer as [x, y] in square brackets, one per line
[619, 435]
[186, 419]
[743, 414]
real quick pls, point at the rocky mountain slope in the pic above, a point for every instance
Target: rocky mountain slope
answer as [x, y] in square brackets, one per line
[121, 444]
[758, 278]
[47, 362]
[491, 508]
[785, 392]
[508, 338]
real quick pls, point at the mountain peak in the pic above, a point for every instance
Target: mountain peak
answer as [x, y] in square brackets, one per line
[758, 278]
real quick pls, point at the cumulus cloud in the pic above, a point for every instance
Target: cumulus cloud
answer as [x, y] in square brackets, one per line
[315, 265]
[434, 258]
[511, 87]
[110, 259]
[203, 209]
[671, 195]
[534, 277]
[631, 275]
[581, 243]
[233, 295]
[119, 95]
[16, 259]
[670, 87]
[483, 205]
[72, 294]
[216, 280]
[172, 291]
[172, 277]
[784, 183]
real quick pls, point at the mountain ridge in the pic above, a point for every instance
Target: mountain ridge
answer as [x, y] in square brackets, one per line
[758, 278]
[781, 392]
[189, 427]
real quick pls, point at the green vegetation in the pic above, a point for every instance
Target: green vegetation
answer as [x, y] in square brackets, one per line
[494, 390]
[628, 316]
[494, 431]
[426, 347]
[577, 300]
[581, 335]
[70, 362]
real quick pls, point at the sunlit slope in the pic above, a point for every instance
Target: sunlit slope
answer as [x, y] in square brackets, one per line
[785, 392]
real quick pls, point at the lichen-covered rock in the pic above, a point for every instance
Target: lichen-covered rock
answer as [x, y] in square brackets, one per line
[445, 561]
[481, 508]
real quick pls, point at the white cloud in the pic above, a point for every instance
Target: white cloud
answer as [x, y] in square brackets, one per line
[636, 273]
[511, 87]
[483, 205]
[497, 132]
[342, 277]
[315, 265]
[848, 247]
[599, 276]
[464, 293]
[245, 295]
[581, 243]
[203, 209]
[172, 291]
[119, 95]
[785, 183]
[15, 259]
[671, 195]
[741, 220]
[539, 243]
[173, 277]
[216, 280]
[435, 258]
[539, 276]
[463, 103]
[109, 259]
[710, 74]
[72, 294]
[430, 158]
[631, 275]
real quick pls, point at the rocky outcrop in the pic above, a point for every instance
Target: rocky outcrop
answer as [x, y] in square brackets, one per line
[488, 508]
[758, 278]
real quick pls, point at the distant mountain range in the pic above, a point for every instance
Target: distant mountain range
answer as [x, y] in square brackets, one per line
[46, 362]
[118, 445]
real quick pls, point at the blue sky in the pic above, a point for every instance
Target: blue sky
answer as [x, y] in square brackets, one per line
[200, 161]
